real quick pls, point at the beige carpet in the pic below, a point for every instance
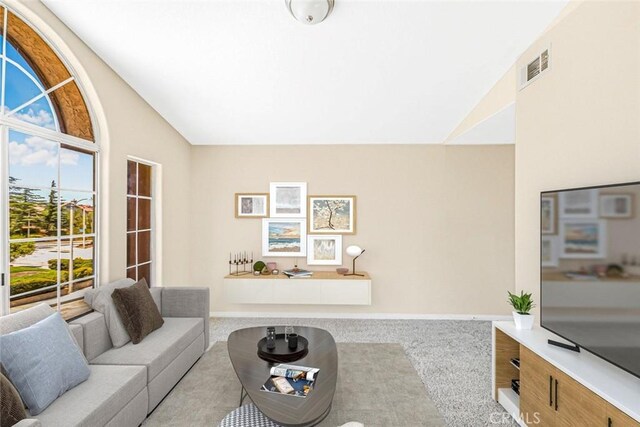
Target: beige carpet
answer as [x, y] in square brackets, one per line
[377, 386]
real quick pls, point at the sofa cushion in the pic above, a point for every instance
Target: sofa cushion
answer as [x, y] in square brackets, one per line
[158, 349]
[97, 400]
[95, 336]
[11, 406]
[24, 318]
[91, 293]
[101, 301]
[43, 362]
[138, 311]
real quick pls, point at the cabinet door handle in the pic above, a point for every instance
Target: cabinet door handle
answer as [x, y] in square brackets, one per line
[550, 390]
[556, 395]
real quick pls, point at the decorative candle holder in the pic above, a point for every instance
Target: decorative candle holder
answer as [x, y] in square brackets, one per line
[240, 259]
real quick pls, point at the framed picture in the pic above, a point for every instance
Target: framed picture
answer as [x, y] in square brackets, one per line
[616, 205]
[284, 237]
[548, 217]
[324, 250]
[252, 205]
[549, 253]
[583, 238]
[288, 199]
[332, 214]
[578, 204]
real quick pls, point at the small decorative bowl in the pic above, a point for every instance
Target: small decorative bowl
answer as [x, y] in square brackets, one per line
[275, 271]
[256, 273]
[342, 270]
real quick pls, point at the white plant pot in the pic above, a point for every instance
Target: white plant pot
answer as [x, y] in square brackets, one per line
[523, 321]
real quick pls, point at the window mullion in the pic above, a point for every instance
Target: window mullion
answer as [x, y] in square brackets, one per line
[59, 234]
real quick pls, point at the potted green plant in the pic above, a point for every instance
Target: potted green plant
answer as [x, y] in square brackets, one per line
[522, 305]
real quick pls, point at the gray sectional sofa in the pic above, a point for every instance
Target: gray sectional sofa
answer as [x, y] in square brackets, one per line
[127, 383]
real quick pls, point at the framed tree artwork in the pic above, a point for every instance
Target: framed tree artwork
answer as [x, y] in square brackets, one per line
[284, 237]
[324, 250]
[616, 205]
[251, 205]
[288, 199]
[332, 214]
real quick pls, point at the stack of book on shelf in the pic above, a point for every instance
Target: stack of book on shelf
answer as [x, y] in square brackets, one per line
[297, 273]
[291, 380]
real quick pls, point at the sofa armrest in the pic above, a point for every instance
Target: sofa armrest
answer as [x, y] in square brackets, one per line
[28, 422]
[187, 302]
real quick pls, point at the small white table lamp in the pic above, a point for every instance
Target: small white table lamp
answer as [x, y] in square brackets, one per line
[354, 251]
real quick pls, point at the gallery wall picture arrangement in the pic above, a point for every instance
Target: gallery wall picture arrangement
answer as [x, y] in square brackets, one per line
[284, 237]
[288, 199]
[251, 205]
[332, 214]
[324, 250]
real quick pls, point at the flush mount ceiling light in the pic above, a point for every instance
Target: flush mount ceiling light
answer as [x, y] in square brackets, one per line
[310, 11]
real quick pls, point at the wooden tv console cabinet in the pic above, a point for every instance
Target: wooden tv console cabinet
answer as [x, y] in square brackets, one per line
[559, 387]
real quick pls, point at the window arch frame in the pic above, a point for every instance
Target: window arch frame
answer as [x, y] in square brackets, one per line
[8, 122]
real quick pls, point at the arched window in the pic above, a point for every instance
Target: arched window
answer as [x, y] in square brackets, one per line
[49, 182]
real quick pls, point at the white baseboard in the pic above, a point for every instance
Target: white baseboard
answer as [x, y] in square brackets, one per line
[377, 316]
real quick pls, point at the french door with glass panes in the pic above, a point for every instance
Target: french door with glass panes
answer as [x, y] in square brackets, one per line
[140, 221]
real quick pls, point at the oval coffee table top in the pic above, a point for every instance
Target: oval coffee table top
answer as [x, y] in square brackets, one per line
[253, 372]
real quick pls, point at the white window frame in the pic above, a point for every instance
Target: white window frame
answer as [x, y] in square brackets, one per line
[7, 121]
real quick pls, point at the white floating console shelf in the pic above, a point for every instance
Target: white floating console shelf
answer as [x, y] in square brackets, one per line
[323, 288]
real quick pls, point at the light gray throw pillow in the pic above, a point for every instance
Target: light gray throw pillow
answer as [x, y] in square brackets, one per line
[102, 302]
[43, 362]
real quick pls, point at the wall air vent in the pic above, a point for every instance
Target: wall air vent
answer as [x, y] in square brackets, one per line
[534, 68]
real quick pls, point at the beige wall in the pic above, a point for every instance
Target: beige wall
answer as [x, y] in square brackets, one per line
[501, 95]
[132, 128]
[578, 125]
[436, 221]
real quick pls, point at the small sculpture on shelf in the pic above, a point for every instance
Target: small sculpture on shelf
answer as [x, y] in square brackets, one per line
[240, 259]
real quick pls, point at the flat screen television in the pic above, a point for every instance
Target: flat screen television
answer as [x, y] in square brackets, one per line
[590, 270]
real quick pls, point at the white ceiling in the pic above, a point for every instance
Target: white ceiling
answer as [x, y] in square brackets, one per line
[245, 72]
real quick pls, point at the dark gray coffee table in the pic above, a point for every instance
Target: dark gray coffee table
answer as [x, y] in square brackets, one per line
[253, 372]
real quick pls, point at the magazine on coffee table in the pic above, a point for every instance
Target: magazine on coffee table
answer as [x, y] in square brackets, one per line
[291, 380]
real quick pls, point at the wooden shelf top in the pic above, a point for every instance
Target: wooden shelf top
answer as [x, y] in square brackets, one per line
[317, 275]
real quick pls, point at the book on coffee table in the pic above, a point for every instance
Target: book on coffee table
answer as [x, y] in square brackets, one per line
[290, 380]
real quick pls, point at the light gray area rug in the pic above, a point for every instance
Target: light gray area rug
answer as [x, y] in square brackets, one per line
[376, 386]
[452, 358]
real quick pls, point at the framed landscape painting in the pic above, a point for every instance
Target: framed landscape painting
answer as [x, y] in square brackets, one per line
[252, 205]
[583, 238]
[324, 250]
[332, 214]
[284, 237]
[288, 199]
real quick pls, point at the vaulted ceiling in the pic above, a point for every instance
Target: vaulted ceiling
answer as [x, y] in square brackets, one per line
[245, 72]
